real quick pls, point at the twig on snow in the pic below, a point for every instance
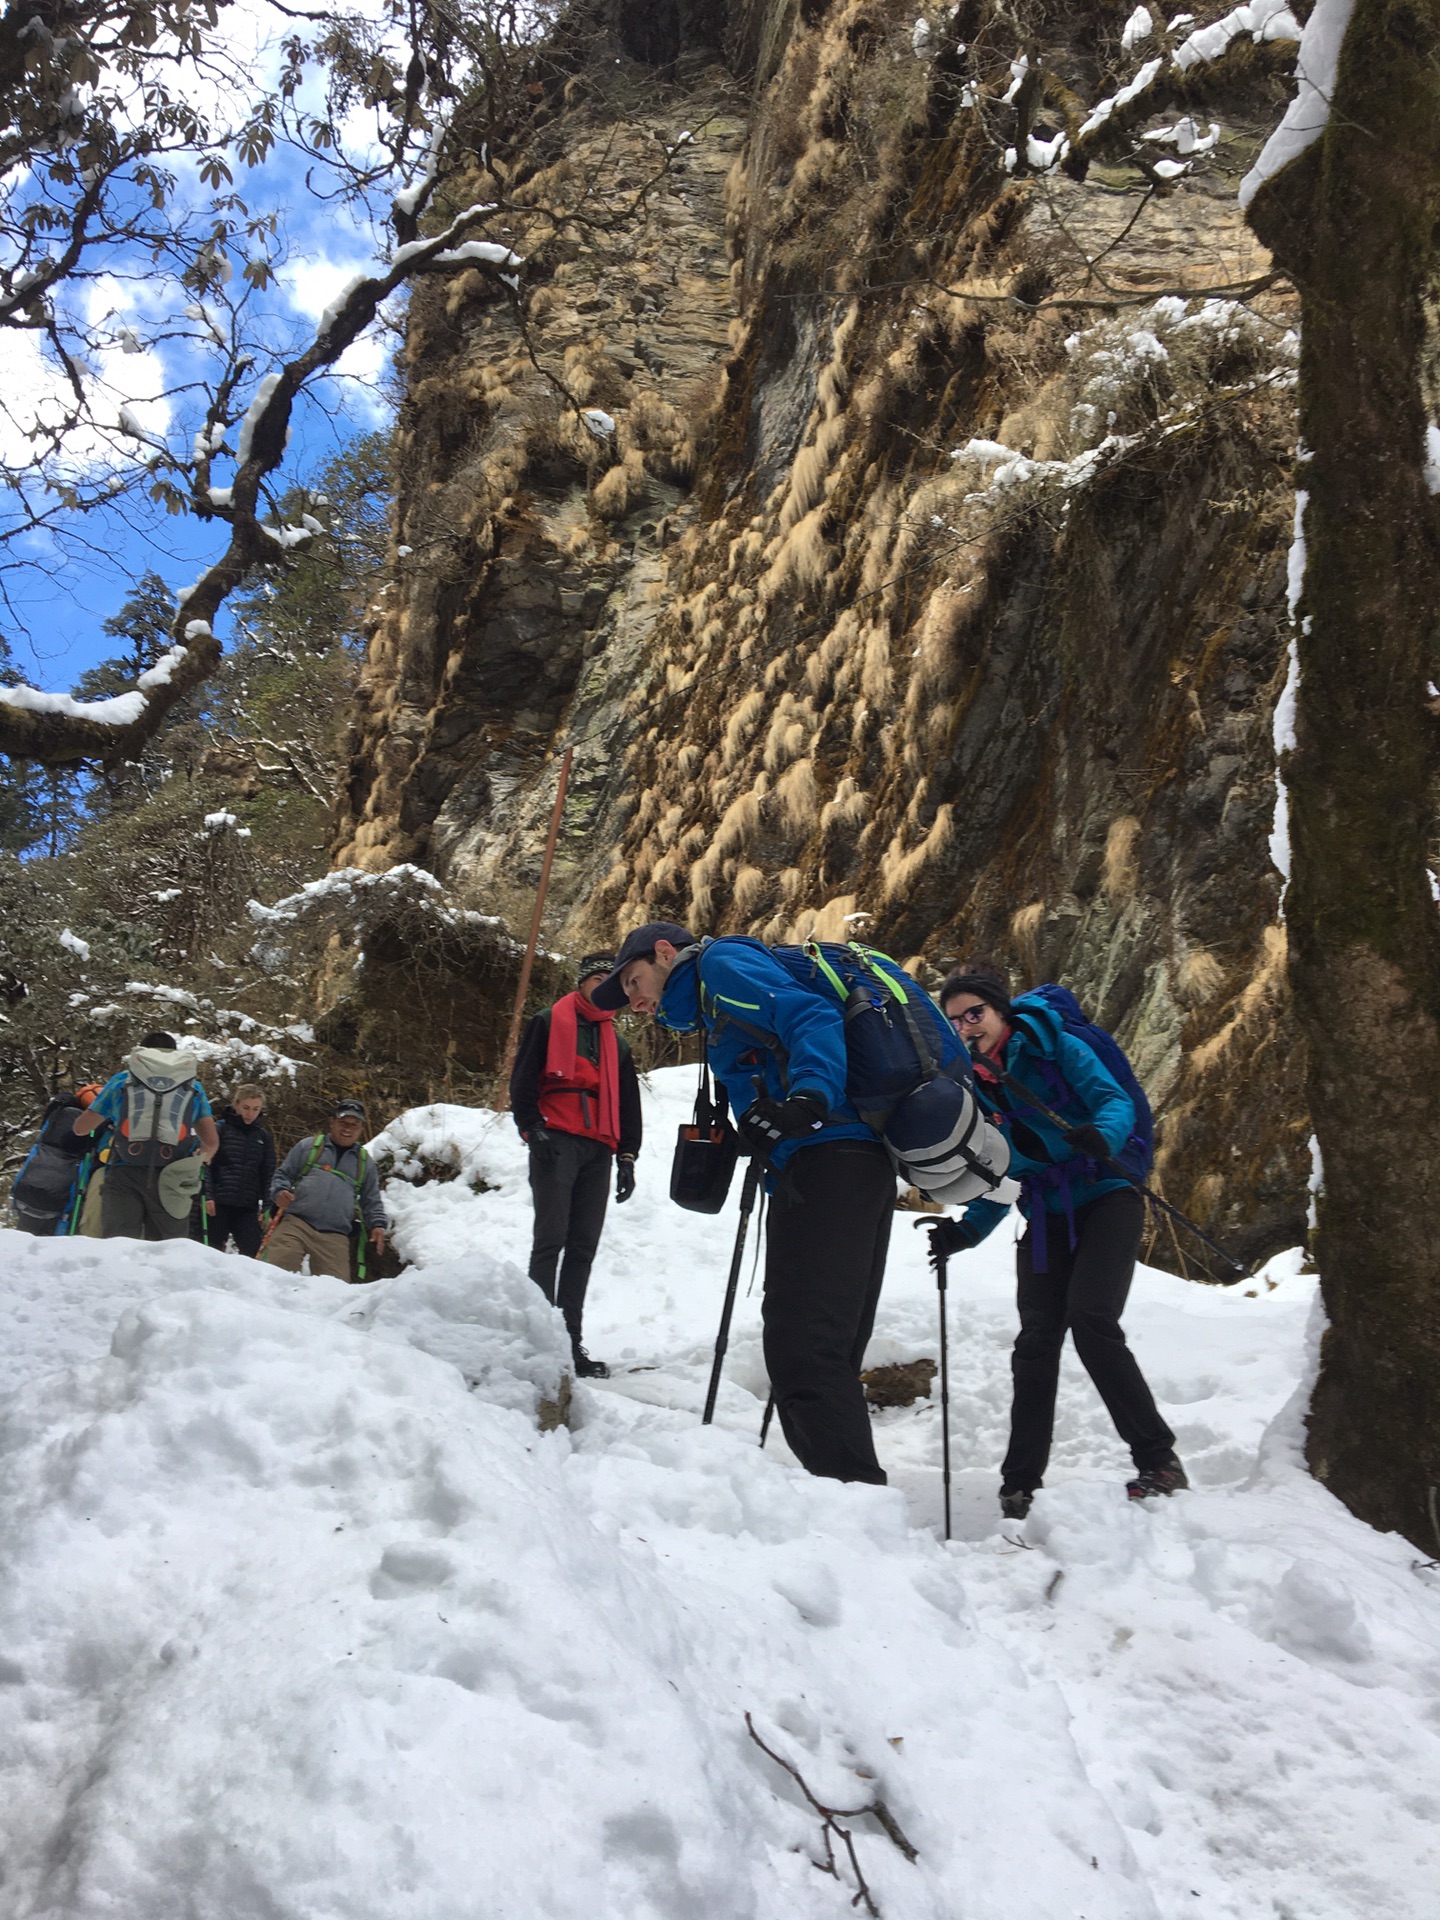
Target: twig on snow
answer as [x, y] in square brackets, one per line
[831, 1818]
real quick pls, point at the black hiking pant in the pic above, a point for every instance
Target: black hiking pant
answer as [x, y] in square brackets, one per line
[131, 1209]
[37, 1223]
[243, 1223]
[570, 1182]
[1084, 1291]
[824, 1266]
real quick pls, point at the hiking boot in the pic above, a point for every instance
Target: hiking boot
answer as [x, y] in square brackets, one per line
[588, 1369]
[1167, 1477]
[1015, 1502]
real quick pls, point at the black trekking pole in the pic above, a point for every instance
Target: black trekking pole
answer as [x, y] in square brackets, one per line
[1237, 1267]
[753, 1171]
[769, 1416]
[941, 1276]
[1121, 1173]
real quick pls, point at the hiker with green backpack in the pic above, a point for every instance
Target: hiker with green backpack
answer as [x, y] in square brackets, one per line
[325, 1186]
[1081, 1141]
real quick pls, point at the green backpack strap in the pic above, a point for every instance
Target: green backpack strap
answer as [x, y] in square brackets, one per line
[926, 1050]
[360, 1249]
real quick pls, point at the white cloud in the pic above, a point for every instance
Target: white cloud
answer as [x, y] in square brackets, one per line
[312, 283]
[38, 396]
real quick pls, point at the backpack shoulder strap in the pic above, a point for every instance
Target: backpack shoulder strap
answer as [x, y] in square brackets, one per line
[927, 1050]
[717, 1017]
[317, 1147]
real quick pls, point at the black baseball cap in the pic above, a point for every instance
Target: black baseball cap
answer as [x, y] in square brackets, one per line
[639, 945]
[344, 1109]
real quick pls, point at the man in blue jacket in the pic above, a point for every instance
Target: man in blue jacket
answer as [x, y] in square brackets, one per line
[1077, 1257]
[777, 1047]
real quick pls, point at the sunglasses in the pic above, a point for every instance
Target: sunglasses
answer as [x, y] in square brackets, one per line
[971, 1017]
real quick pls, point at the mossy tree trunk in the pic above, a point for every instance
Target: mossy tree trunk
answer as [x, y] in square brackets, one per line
[1354, 220]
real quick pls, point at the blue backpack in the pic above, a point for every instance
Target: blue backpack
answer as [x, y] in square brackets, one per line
[907, 1074]
[45, 1184]
[1139, 1150]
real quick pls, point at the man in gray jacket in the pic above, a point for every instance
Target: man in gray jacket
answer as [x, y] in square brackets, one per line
[321, 1185]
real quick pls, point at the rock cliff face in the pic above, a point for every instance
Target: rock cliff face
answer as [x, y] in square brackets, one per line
[931, 584]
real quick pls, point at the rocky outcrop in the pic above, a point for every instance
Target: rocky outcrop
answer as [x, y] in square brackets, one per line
[532, 531]
[931, 585]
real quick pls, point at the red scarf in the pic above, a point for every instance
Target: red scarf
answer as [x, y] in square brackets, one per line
[576, 1096]
[989, 1066]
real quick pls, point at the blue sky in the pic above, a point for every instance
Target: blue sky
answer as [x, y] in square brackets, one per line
[58, 607]
[64, 615]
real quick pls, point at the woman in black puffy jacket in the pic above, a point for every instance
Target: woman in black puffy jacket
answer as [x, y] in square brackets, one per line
[239, 1176]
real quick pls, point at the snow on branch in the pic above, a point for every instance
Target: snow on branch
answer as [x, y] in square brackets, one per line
[1305, 117]
[1261, 19]
[1158, 82]
[54, 728]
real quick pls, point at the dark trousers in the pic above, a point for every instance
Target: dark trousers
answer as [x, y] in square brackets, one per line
[241, 1222]
[1084, 1290]
[824, 1267]
[37, 1223]
[570, 1182]
[130, 1207]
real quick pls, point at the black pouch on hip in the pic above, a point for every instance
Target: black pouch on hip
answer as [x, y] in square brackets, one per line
[706, 1149]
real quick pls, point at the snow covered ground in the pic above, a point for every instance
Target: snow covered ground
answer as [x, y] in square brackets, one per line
[302, 1616]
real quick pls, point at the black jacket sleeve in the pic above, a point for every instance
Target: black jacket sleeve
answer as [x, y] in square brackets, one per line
[525, 1074]
[630, 1126]
[267, 1163]
[58, 1130]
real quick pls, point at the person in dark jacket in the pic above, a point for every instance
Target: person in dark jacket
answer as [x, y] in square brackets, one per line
[576, 1101]
[45, 1186]
[834, 1199]
[1077, 1257]
[237, 1181]
[326, 1186]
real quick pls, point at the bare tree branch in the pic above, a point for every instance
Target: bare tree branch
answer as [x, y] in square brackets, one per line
[875, 1809]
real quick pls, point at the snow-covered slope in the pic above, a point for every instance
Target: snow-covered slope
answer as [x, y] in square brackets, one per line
[302, 1616]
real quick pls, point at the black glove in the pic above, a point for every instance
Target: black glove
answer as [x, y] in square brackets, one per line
[624, 1178]
[541, 1142]
[769, 1121]
[1089, 1141]
[947, 1237]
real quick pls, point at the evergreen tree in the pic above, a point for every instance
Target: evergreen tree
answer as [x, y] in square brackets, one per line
[317, 598]
[143, 623]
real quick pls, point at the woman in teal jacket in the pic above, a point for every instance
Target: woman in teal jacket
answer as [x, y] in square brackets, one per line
[1077, 1257]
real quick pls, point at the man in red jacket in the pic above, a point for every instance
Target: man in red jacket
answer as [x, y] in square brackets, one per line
[576, 1101]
